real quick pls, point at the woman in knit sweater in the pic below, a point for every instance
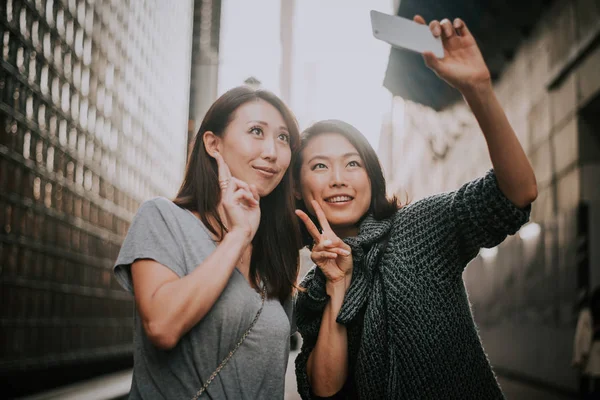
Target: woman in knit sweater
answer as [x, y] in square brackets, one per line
[385, 314]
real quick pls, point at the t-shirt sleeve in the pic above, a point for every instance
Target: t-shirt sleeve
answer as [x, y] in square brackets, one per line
[150, 236]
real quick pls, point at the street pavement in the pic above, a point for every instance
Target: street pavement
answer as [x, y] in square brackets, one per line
[513, 390]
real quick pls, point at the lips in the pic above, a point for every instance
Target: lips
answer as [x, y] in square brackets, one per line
[267, 171]
[339, 199]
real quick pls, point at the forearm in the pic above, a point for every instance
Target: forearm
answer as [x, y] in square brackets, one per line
[327, 365]
[180, 304]
[515, 175]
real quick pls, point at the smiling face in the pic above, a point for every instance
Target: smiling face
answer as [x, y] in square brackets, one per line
[256, 145]
[333, 174]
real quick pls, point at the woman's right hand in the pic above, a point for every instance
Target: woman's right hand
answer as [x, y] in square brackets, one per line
[240, 201]
[330, 253]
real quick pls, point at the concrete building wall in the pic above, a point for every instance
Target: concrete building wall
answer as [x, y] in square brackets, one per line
[93, 113]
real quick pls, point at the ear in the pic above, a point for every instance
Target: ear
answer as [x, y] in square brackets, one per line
[212, 143]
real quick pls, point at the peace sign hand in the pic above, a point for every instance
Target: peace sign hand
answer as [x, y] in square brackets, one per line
[240, 201]
[330, 253]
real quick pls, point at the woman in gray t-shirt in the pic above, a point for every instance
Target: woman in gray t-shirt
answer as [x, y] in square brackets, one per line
[201, 265]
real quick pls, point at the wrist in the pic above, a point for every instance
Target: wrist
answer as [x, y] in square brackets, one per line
[240, 235]
[338, 288]
[477, 90]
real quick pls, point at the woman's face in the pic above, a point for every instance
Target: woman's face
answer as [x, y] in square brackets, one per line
[256, 146]
[333, 174]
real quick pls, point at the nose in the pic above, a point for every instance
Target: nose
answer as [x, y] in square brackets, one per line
[269, 150]
[337, 178]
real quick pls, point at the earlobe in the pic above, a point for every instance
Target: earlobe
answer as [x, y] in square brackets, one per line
[211, 143]
[297, 194]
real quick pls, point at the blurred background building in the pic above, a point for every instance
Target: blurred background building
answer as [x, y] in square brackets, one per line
[205, 61]
[93, 120]
[545, 61]
[99, 101]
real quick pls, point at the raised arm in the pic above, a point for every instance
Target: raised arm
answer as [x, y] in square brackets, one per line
[327, 364]
[169, 305]
[463, 67]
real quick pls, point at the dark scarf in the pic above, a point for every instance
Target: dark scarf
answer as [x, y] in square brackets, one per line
[370, 363]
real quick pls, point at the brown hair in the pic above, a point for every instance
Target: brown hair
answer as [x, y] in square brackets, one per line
[277, 240]
[381, 206]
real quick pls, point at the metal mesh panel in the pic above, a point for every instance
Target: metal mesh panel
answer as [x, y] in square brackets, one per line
[87, 133]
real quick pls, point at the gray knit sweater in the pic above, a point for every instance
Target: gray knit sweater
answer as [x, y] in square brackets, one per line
[417, 339]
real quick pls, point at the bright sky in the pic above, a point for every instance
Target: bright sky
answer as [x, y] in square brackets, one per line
[249, 43]
[337, 67]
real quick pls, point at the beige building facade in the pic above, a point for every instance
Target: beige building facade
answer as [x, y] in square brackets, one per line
[523, 292]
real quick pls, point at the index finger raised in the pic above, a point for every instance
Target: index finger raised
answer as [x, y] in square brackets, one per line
[310, 226]
[321, 217]
[222, 167]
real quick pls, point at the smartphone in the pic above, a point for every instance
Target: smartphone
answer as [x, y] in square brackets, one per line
[405, 34]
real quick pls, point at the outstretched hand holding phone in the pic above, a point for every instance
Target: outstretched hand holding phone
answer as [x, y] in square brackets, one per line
[448, 48]
[462, 66]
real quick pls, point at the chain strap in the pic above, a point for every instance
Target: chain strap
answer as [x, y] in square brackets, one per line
[263, 294]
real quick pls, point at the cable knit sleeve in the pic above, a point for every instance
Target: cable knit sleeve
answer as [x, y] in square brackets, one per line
[309, 309]
[483, 216]
[447, 230]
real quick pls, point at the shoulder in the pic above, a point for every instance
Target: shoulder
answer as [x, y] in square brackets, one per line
[158, 207]
[423, 228]
[178, 221]
[429, 210]
[160, 214]
[158, 203]
[439, 206]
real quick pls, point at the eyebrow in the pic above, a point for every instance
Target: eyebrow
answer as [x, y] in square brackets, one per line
[282, 127]
[320, 156]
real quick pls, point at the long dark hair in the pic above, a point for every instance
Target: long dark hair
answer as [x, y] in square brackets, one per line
[381, 206]
[277, 240]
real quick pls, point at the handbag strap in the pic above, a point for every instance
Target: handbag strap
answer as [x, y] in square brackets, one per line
[263, 294]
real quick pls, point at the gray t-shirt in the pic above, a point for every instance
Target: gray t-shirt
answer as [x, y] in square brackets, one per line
[175, 238]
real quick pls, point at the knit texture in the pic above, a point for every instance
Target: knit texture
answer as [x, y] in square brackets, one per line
[420, 342]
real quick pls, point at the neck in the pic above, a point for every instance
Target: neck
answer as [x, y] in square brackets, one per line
[345, 231]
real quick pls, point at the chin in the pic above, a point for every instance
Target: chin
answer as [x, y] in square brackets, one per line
[264, 190]
[342, 222]
[261, 187]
